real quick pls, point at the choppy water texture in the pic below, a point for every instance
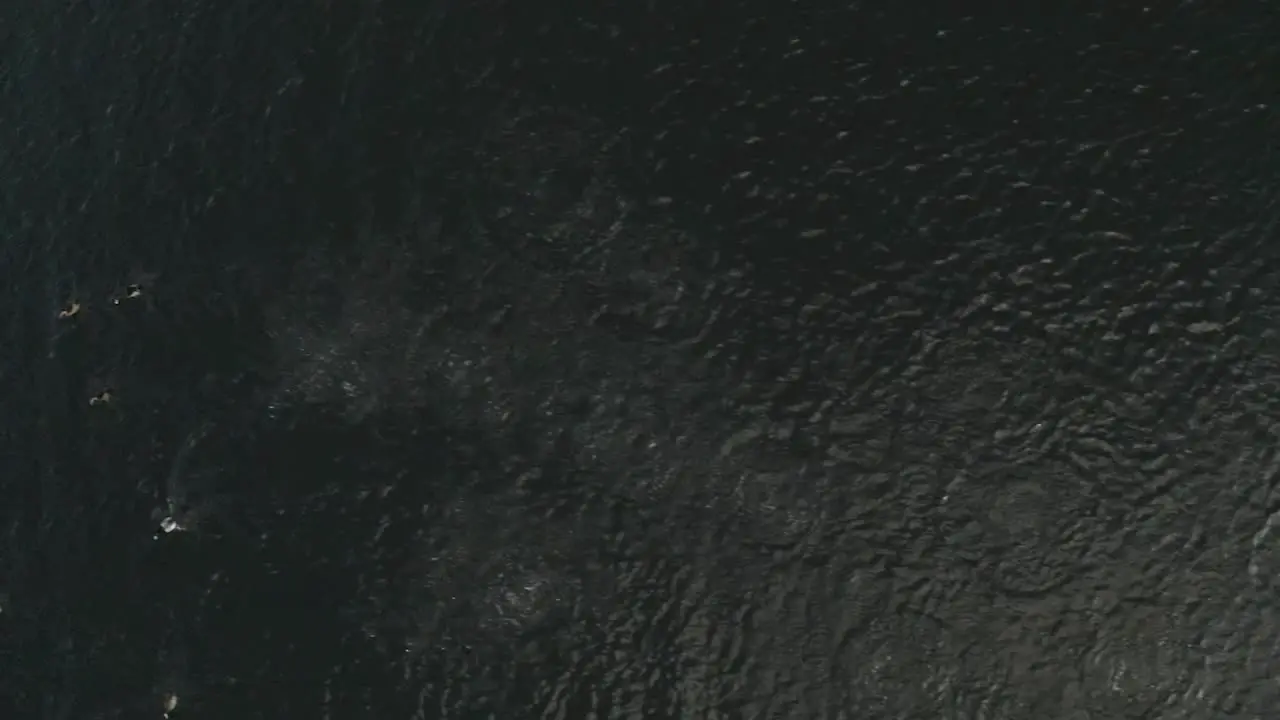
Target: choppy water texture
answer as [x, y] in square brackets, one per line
[620, 362]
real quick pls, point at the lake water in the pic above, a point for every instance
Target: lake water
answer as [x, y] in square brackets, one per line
[447, 360]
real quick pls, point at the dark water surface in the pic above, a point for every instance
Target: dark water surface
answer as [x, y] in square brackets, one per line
[639, 360]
